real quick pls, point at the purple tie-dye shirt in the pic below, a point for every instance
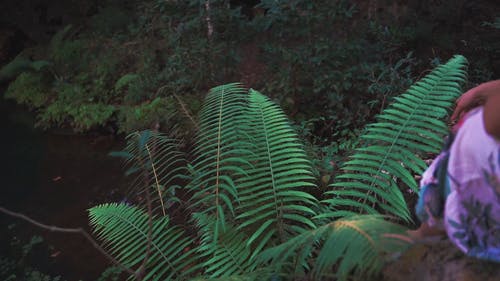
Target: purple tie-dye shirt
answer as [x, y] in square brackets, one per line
[472, 209]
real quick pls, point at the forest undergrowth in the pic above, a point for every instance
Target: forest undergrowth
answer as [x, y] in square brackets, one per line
[331, 66]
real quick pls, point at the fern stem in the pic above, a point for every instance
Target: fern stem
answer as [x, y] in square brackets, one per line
[343, 223]
[219, 133]
[233, 257]
[278, 213]
[156, 180]
[142, 268]
[395, 139]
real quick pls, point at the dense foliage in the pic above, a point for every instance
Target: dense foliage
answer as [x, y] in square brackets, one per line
[131, 64]
[330, 65]
[250, 192]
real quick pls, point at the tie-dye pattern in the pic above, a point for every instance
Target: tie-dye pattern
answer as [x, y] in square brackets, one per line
[472, 207]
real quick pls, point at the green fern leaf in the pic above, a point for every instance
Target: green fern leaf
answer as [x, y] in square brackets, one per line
[256, 275]
[157, 164]
[407, 129]
[220, 153]
[125, 80]
[353, 246]
[124, 231]
[273, 205]
[230, 256]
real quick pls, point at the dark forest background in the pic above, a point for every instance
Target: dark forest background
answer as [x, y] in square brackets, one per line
[118, 66]
[101, 68]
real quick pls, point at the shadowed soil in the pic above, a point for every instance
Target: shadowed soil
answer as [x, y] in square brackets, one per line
[439, 261]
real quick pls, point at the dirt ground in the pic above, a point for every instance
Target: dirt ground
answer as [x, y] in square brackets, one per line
[439, 260]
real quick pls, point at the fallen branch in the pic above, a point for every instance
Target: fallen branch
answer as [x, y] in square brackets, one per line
[81, 231]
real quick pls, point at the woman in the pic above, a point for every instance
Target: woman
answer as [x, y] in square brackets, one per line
[461, 189]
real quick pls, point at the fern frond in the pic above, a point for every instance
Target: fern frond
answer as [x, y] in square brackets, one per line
[407, 129]
[219, 148]
[230, 256]
[347, 247]
[273, 205]
[124, 231]
[255, 275]
[157, 164]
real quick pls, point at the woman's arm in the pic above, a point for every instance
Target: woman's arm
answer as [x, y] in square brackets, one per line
[491, 115]
[488, 95]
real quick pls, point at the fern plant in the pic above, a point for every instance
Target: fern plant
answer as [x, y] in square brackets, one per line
[353, 244]
[256, 159]
[246, 182]
[229, 256]
[274, 203]
[158, 165]
[407, 130]
[125, 231]
[220, 154]
[253, 217]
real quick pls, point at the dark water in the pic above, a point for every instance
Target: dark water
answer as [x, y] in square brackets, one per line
[55, 179]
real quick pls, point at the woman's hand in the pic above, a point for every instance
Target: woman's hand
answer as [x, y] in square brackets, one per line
[427, 232]
[487, 94]
[470, 99]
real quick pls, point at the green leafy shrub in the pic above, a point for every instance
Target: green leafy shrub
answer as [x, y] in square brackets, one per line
[31, 89]
[81, 117]
[67, 53]
[388, 81]
[147, 82]
[78, 90]
[19, 65]
[310, 56]
[324, 56]
[393, 146]
[111, 18]
[125, 80]
[169, 53]
[250, 186]
[148, 114]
